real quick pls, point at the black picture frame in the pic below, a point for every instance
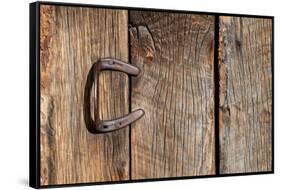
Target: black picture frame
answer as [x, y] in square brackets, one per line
[34, 93]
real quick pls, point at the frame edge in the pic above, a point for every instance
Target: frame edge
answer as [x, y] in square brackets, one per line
[34, 117]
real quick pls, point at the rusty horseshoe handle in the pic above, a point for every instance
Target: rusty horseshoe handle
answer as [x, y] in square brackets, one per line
[103, 126]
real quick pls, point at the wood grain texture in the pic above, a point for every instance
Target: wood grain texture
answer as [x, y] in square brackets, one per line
[71, 41]
[176, 90]
[245, 95]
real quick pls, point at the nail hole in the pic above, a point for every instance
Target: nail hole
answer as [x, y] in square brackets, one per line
[105, 126]
[120, 123]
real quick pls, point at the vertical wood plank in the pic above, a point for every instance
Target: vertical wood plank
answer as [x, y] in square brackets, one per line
[245, 94]
[176, 90]
[71, 41]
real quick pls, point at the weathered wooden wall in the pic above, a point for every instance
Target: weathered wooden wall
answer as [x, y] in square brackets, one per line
[245, 94]
[176, 90]
[71, 40]
[175, 53]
